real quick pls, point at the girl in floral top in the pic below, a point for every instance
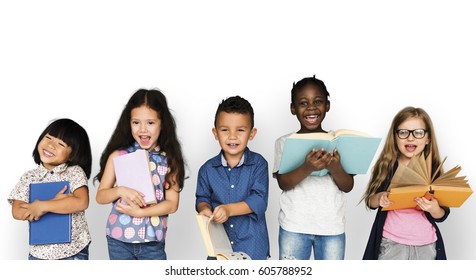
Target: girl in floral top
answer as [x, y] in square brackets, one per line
[63, 153]
[135, 230]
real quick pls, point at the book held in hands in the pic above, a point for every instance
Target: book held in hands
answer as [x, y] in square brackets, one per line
[416, 180]
[51, 227]
[356, 149]
[216, 240]
[132, 171]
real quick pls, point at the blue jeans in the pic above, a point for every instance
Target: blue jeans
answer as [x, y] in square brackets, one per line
[119, 250]
[298, 246]
[81, 256]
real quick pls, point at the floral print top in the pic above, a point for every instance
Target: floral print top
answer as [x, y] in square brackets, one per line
[80, 236]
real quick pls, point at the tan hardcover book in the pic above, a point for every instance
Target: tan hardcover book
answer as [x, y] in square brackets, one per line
[216, 240]
[415, 180]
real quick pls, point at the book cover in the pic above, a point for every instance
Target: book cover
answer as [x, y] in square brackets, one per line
[214, 236]
[416, 179]
[357, 150]
[51, 227]
[132, 171]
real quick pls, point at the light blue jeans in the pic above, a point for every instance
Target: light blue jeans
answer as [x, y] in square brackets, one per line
[298, 246]
[81, 256]
[119, 250]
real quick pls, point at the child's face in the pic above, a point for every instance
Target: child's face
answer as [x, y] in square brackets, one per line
[310, 108]
[233, 131]
[411, 146]
[145, 127]
[53, 151]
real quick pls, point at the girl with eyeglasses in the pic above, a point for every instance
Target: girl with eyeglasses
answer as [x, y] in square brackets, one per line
[405, 234]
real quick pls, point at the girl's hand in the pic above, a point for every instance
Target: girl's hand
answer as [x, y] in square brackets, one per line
[220, 214]
[129, 208]
[132, 197]
[33, 211]
[61, 194]
[383, 200]
[431, 206]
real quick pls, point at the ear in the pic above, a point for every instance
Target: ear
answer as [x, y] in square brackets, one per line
[293, 110]
[328, 106]
[253, 133]
[215, 133]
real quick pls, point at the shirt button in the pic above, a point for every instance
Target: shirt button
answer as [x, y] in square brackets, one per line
[231, 226]
[229, 169]
[232, 242]
[232, 186]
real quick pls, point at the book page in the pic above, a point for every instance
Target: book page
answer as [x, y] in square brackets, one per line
[315, 135]
[350, 132]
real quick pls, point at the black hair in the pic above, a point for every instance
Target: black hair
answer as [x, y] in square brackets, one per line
[235, 104]
[297, 87]
[74, 136]
[168, 141]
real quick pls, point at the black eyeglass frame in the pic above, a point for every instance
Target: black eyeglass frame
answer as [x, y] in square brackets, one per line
[412, 132]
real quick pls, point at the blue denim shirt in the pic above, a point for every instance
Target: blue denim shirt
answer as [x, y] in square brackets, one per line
[219, 184]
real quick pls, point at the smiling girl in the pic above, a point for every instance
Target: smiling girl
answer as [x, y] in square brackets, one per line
[406, 233]
[136, 231]
[63, 153]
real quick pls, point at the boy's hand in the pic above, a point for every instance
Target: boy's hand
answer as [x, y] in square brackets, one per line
[318, 159]
[220, 214]
[206, 212]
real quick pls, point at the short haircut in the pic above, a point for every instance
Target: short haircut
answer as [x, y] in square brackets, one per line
[297, 87]
[236, 104]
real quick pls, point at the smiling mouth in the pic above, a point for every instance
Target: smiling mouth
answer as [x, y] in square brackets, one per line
[311, 118]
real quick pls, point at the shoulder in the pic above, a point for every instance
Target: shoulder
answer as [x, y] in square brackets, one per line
[254, 157]
[214, 161]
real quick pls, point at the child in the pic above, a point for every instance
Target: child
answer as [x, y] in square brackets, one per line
[311, 215]
[405, 233]
[232, 187]
[63, 153]
[134, 230]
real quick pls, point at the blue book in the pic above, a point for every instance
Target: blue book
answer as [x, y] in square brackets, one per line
[357, 150]
[51, 227]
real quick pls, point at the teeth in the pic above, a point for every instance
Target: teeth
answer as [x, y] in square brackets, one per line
[311, 117]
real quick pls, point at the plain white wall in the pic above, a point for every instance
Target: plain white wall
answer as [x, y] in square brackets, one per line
[84, 60]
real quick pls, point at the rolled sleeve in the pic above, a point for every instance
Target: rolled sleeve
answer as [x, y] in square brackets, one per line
[258, 198]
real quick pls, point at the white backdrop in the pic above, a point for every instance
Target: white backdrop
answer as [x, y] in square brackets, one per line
[83, 60]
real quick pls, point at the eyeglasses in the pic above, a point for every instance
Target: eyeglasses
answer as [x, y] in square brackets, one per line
[405, 133]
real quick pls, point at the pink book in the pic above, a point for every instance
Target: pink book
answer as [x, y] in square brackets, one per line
[132, 170]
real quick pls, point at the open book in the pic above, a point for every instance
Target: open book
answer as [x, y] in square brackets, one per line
[216, 240]
[357, 150]
[132, 171]
[416, 180]
[51, 227]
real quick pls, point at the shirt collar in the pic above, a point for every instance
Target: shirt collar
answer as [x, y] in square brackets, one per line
[243, 160]
[136, 146]
[42, 170]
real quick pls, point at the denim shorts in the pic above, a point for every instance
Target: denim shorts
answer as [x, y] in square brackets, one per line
[298, 246]
[119, 250]
[81, 256]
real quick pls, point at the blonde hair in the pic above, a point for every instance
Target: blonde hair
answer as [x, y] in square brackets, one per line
[383, 168]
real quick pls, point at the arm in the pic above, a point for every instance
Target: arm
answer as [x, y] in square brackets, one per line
[107, 193]
[379, 199]
[431, 206]
[344, 181]
[60, 204]
[167, 206]
[257, 200]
